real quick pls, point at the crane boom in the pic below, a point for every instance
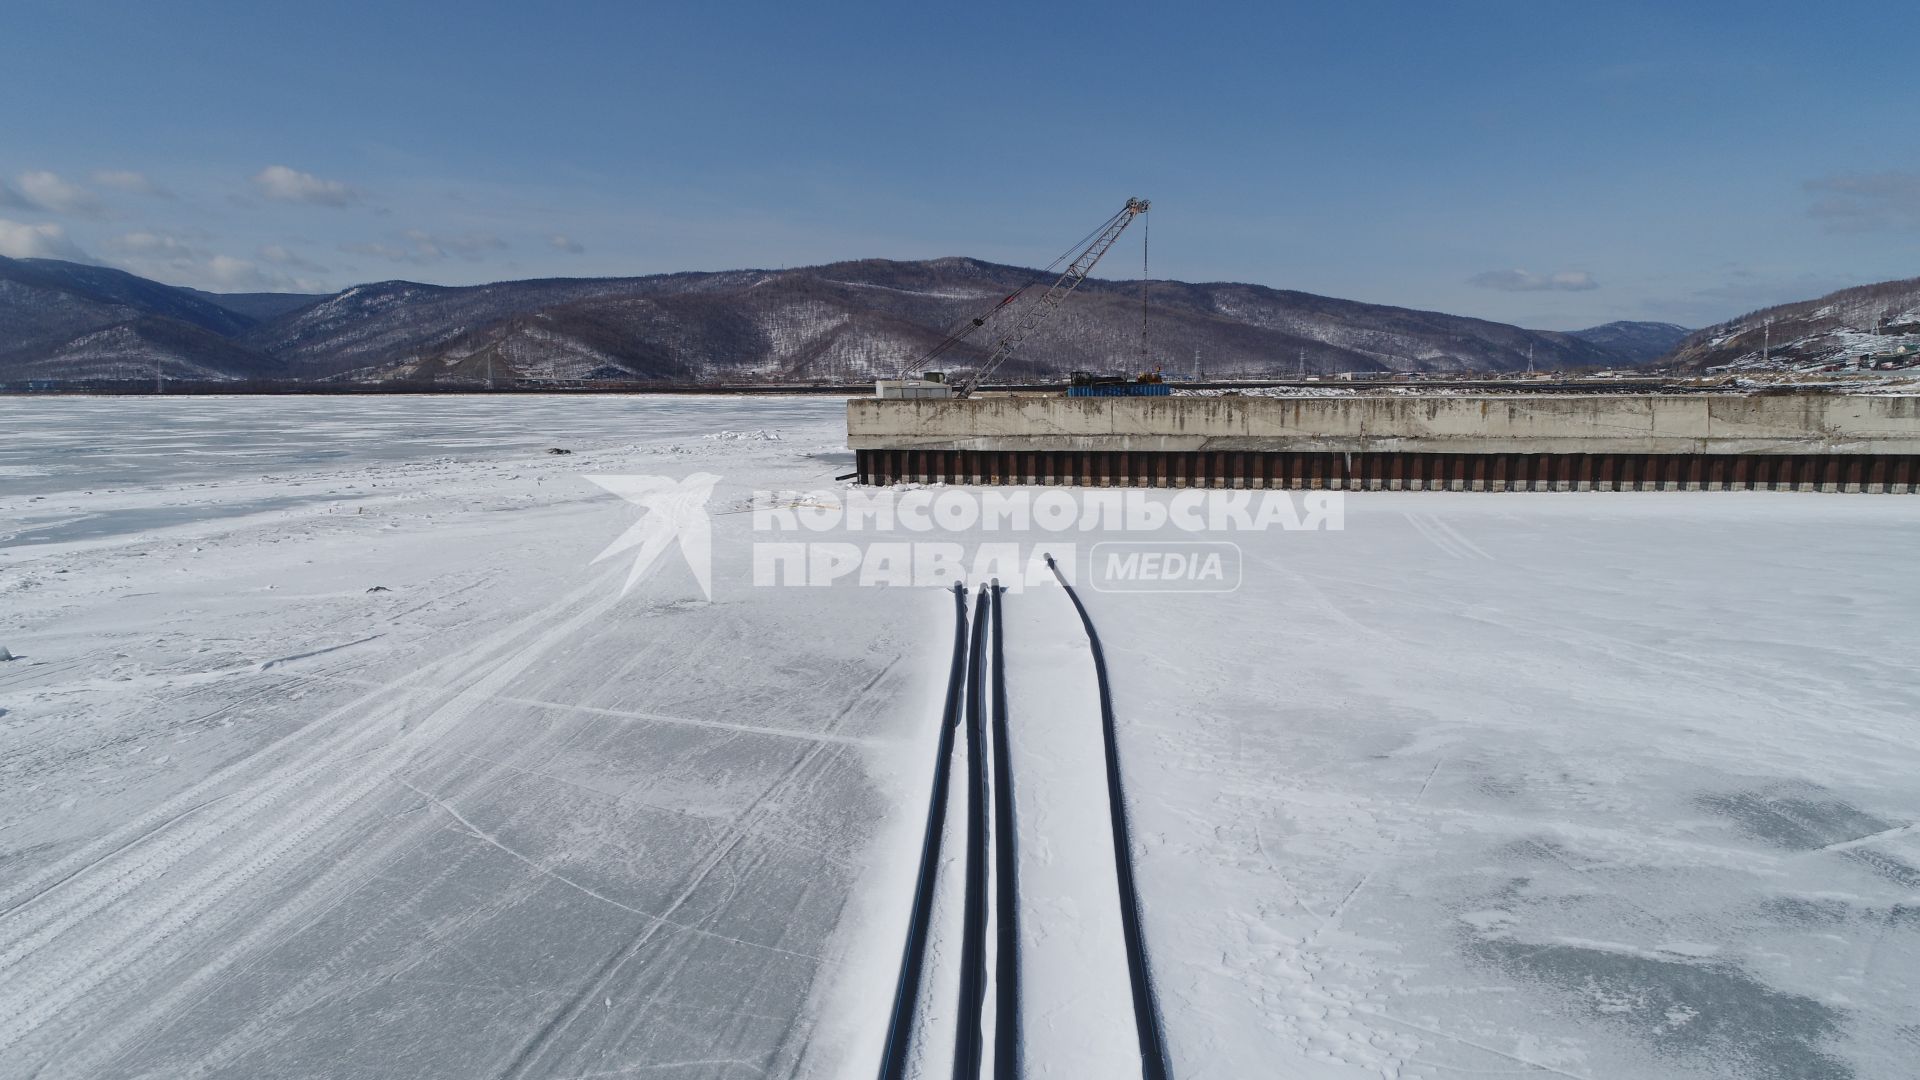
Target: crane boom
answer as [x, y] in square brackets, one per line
[1062, 287]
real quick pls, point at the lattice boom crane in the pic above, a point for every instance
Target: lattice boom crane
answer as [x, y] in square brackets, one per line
[1037, 311]
[1062, 287]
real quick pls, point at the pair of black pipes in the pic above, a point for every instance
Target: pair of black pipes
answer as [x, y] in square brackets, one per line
[968, 1042]
[966, 684]
[1006, 898]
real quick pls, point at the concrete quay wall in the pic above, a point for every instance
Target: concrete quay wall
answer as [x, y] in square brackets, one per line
[1784, 424]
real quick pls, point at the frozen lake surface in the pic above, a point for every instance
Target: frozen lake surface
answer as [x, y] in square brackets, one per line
[1584, 784]
[72, 444]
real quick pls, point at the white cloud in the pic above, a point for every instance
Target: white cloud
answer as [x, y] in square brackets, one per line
[563, 242]
[421, 248]
[239, 275]
[49, 192]
[285, 184]
[45, 241]
[377, 250]
[1528, 281]
[154, 242]
[471, 245]
[281, 255]
[127, 180]
[184, 259]
[1867, 202]
[218, 273]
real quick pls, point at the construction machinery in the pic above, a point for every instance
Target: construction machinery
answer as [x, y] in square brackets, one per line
[1080, 260]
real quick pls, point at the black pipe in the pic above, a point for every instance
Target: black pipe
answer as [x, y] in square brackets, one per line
[973, 943]
[1146, 1011]
[1006, 972]
[906, 994]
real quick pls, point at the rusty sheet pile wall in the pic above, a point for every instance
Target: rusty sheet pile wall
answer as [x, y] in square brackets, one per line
[1653, 442]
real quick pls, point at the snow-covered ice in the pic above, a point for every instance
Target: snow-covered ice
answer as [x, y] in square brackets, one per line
[1559, 783]
[493, 820]
[1582, 784]
[1078, 1004]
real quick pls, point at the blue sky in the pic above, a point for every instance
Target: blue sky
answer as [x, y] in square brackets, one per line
[1551, 164]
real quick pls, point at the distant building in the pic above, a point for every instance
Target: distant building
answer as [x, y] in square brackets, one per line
[1906, 356]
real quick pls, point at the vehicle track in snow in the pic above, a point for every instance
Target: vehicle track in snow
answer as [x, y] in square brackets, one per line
[375, 820]
[101, 915]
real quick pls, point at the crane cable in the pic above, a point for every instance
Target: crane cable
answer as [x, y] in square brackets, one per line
[966, 329]
[957, 336]
[1036, 311]
[1146, 234]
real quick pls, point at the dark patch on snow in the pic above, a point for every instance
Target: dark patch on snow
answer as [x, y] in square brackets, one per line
[129, 520]
[1827, 912]
[1806, 817]
[1601, 958]
[1504, 788]
[1710, 1011]
[1530, 849]
[838, 458]
[1901, 873]
[1800, 817]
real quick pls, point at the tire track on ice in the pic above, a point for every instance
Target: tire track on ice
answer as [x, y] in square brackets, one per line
[527, 1059]
[320, 729]
[361, 866]
[337, 886]
[48, 971]
[791, 1045]
[482, 835]
[304, 732]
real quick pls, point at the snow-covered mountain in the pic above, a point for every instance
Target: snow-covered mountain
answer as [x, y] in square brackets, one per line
[1641, 341]
[852, 320]
[1836, 328]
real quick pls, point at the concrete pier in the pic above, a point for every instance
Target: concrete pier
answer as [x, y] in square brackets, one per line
[1509, 442]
